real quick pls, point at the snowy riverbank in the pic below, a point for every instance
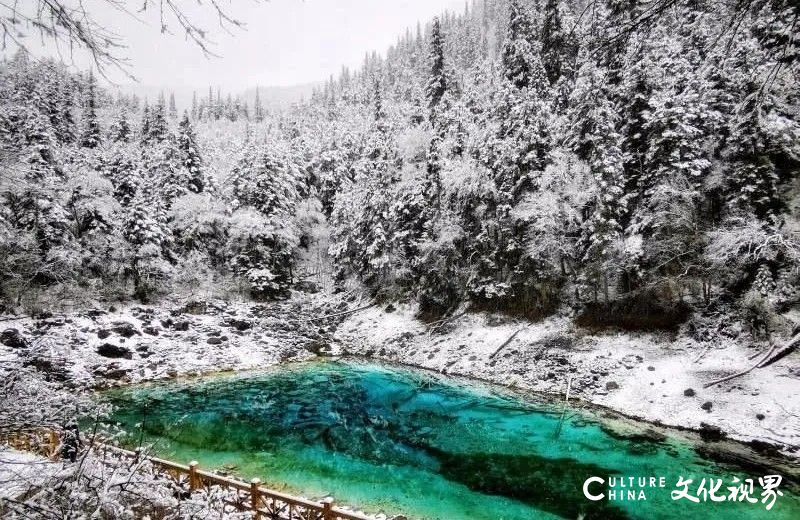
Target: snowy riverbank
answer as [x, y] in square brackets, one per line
[655, 377]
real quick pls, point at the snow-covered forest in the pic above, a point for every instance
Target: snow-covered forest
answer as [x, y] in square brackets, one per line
[523, 157]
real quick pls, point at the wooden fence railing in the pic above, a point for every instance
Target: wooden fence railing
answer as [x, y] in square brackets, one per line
[265, 503]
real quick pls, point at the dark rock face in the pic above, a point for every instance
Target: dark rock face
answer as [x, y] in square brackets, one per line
[112, 351]
[125, 329]
[13, 338]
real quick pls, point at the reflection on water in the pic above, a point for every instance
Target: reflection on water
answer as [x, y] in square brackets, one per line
[393, 440]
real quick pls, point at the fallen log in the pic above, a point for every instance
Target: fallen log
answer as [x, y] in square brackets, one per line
[789, 347]
[743, 372]
[772, 355]
[505, 344]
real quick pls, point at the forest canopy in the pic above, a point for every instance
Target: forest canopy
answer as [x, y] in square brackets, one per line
[612, 158]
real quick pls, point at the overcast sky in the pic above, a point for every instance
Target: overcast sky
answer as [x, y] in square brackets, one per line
[286, 42]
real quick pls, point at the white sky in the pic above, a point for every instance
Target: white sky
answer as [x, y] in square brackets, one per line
[286, 42]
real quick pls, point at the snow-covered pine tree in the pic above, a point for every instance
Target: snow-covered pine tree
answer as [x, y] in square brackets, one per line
[258, 108]
[597, 140]
[194, 114]
[91, 136]
[120, 130]
[173, 109]
[559, 46]
[190, 153]
[146, 230]
[436, 85]
[157, 128]
[144, 127]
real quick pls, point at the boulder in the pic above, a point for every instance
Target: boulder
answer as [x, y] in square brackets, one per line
[710, 433]
[196, 307]
[13, 338]
[707, 406]
[689, 392]
[181, 325]
[150, 331]
[116, 373]
[103, 333]
[125, 329]
[240, 325]
[612, 385]
[112, 351]
[214, 340]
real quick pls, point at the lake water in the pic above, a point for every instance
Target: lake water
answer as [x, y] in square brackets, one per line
[404, 441]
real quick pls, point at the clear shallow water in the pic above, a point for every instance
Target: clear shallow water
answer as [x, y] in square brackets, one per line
[403, 441]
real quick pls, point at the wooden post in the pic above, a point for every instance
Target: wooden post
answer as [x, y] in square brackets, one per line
[193, 479]
[327, 508]
[255, 497]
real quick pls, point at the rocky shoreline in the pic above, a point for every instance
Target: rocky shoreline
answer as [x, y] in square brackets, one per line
[652, 378]
[657, 378]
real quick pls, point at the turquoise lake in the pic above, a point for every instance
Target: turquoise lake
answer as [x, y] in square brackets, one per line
[401, 441]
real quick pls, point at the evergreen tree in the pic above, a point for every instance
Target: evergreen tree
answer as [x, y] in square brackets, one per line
[559, 47]
[194, 113]
[522, 65]
[144, 127]
[121, 130]
[191, 156]
[753, 180]
[91, 137]
[258, 108]
[437, 80]
[598, 141]
[173, 109]
[154, 125]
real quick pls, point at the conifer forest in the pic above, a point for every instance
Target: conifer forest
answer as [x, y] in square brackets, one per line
[511, 157]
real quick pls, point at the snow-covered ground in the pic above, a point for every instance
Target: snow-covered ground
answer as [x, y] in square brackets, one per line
[146, 343]
[656, 377]
[20, 471]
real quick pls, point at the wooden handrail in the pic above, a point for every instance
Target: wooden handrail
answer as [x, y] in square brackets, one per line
[264, 502]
